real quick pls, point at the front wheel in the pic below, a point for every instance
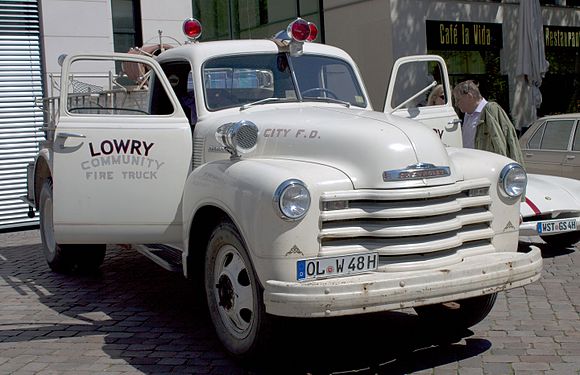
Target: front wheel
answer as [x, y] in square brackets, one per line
[233, 293]
[64, 258]
[458, 315]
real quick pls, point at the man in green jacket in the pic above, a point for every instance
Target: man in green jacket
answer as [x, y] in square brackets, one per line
[486, 126]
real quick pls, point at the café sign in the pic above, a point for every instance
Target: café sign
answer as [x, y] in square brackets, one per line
[455, 35]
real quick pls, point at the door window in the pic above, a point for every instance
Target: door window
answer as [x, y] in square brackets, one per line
[556, 135]
[576, 144]
[95, 89]
[419, 84]
[536, 140]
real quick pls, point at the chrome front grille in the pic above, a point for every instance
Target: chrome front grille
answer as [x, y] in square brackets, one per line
[408, 227]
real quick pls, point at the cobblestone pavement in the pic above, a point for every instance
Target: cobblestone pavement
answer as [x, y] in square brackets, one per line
[136, 318]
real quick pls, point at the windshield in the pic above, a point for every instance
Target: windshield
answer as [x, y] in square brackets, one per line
[233, 81]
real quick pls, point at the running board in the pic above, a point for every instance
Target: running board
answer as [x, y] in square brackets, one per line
[166, 256]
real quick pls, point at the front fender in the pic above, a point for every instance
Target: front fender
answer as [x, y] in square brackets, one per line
[551, 194]
[244, 190]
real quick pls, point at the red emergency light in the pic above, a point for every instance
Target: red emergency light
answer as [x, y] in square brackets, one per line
[192, 28]
[302, 31]
[313, 32]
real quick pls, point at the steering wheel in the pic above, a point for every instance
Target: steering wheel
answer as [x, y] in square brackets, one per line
[322, 90]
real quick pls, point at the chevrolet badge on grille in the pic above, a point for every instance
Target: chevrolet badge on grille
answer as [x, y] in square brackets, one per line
[416, 172]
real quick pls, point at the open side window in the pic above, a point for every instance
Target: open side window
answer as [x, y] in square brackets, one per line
[109, 87]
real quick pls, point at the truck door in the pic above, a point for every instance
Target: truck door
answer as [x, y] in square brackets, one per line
[419, 89]
[122, 152]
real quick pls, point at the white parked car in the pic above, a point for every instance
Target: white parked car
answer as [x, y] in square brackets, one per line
[551, 208]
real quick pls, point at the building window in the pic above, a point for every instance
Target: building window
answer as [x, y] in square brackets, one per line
[560, 3]
[483, 67]
[471, 51]
[563, 77]
[252, 19]
[126, 24]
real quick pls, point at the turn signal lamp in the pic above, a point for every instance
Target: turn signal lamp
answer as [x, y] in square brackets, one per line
[192, 28]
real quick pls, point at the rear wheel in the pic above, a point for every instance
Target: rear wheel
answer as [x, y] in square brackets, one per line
[233, 293]
[63, 258]
[563, 240]
[460, 314]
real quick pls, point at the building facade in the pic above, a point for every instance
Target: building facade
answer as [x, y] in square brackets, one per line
[21, 117]
[478, 39]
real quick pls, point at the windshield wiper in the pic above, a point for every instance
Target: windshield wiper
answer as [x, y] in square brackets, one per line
[266, 100]
[326, 99]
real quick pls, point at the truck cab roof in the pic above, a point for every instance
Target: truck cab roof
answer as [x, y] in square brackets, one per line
[202, 51]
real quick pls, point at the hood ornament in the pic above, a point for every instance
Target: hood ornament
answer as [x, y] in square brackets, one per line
[416, 172]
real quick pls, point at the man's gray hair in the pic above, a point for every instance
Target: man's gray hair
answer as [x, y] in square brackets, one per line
[467, 87]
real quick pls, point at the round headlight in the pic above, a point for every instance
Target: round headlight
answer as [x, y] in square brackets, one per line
[292, 199]
[513, 180]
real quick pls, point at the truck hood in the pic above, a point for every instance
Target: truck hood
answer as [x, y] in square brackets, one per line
[363, 144]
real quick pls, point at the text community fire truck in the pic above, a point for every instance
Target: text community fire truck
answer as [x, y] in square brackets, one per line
[259, 168]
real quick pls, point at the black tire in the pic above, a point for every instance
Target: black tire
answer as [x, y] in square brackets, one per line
[563, 240]
[64, 258]
[234, 295]
[88, 258]
[457, 315]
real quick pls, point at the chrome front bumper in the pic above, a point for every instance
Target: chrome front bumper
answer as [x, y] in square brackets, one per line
[381, 291]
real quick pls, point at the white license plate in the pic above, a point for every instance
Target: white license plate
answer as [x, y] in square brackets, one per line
[315, 268]
[557, 226]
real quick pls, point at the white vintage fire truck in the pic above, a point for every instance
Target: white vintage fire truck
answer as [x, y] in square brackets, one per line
[259, 168]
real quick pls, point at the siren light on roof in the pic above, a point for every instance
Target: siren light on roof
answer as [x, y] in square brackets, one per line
[192, 28]
[302, 31]
[313, 32]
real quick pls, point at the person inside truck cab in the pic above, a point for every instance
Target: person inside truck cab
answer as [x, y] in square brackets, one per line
[187, 101]
[181, 80]
[437, 96]
[486, 126]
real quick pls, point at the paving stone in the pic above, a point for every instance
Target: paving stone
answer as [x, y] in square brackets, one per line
[135, 318]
